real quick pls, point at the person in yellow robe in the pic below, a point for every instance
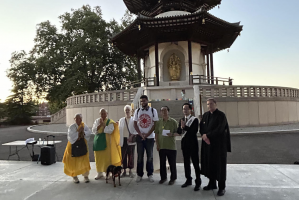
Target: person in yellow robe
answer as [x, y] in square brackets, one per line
[74, 166]
[107, 150]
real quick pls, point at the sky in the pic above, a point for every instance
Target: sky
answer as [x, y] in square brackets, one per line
[266, 53]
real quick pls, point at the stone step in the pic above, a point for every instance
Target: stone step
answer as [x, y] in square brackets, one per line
[175, 107]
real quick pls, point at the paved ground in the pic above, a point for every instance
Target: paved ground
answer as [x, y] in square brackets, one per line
[63, 128]
[29, 181]
[274, 148]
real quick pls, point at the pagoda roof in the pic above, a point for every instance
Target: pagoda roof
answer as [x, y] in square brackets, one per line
[144, 32]
[152, 8]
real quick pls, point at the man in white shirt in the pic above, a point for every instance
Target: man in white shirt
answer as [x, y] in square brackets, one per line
[144, 124]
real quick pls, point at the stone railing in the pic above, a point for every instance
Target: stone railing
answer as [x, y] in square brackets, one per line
[58, 115]
[247, 91]
[101, 97]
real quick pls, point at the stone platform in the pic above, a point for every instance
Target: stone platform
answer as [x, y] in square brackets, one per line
[31, 181]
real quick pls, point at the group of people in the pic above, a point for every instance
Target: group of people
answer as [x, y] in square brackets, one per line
[114, 144]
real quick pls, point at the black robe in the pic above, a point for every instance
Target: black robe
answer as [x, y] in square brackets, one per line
[214, 156]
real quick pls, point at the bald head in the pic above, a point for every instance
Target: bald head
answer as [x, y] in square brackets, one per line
[103, 112]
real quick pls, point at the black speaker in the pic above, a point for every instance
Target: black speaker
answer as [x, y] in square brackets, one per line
[47, 155]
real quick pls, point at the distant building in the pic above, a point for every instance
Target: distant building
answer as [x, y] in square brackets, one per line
[43, 109]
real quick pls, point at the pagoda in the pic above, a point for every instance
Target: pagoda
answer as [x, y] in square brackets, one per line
[176, 40]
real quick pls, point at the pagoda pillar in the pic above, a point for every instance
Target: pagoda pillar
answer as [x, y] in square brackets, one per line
[190, 56]
[208, 67]
[212, 69]
[139, 70]
[144, 68]
[157, 63]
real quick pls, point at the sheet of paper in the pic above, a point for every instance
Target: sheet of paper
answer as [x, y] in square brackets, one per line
[164, 132]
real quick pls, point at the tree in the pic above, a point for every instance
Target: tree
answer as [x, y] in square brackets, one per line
[78, 59]
[2, 111]
[18, 108]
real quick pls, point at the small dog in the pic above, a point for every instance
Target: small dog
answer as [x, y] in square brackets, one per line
[116, 171]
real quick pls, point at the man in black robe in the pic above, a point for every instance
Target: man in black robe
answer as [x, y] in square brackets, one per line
[188, 128]
[215, 145]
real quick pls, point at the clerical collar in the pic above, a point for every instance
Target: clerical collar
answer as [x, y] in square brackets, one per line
[188, 117]
[145, 108]
[214, 111]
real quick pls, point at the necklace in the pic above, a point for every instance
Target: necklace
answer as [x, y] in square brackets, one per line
[164, 124]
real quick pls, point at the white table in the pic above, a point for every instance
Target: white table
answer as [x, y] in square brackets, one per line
[22, 144]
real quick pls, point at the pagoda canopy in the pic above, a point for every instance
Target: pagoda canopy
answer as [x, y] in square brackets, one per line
[200, 27]
[152, 8]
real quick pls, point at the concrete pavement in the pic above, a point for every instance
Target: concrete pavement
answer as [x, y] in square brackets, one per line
[31, 181]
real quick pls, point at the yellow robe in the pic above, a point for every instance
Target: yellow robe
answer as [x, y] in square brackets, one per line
[112, 154]
[74, 166]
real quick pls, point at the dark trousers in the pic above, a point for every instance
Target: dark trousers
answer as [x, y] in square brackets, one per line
[147, 145]
[221, 184]
[193, 155]
[127, 153]
[171, 157]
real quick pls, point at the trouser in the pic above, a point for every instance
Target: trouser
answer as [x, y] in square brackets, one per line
[85, 174]
[193, 155]
[171, 157]
[127, 152]
[221, 184]
[147, 145]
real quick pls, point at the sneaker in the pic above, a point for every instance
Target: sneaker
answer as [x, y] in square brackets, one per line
[138, 179]
[76, 180]
[109, 176]
[86, 179]
[151, 178]
[131, 174]
[124, 174]
[99, 175]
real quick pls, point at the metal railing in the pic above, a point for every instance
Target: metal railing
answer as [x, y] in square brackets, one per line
[201, 79]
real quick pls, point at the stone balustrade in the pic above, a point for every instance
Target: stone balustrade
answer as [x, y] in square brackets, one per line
[108, 96]
[248, 91]
[57, 117]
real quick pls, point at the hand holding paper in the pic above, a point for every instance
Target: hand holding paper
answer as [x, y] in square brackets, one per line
[164, 132]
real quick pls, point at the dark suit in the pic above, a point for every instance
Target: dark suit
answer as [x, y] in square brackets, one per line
[189, 145]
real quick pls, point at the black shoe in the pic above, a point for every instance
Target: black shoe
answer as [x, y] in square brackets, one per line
[197, 184]
[220, 192]
[162, 181]
[197, 187]
[209, 187]
[187, 183]
[171, 182]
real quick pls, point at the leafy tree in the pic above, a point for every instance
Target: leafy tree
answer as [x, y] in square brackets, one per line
[2, 111]
[78, 59]
[19, 108]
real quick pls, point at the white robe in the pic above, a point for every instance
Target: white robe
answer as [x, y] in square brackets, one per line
[108, 129]
[72, 134]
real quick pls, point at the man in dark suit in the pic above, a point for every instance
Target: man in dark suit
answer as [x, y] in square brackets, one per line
[215, 145]
[188, 128]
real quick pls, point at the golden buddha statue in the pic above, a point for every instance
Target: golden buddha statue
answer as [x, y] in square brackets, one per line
[174, 67]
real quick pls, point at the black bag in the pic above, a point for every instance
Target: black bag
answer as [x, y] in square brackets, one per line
[48, 152]
[79, 148]
[131, 135]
